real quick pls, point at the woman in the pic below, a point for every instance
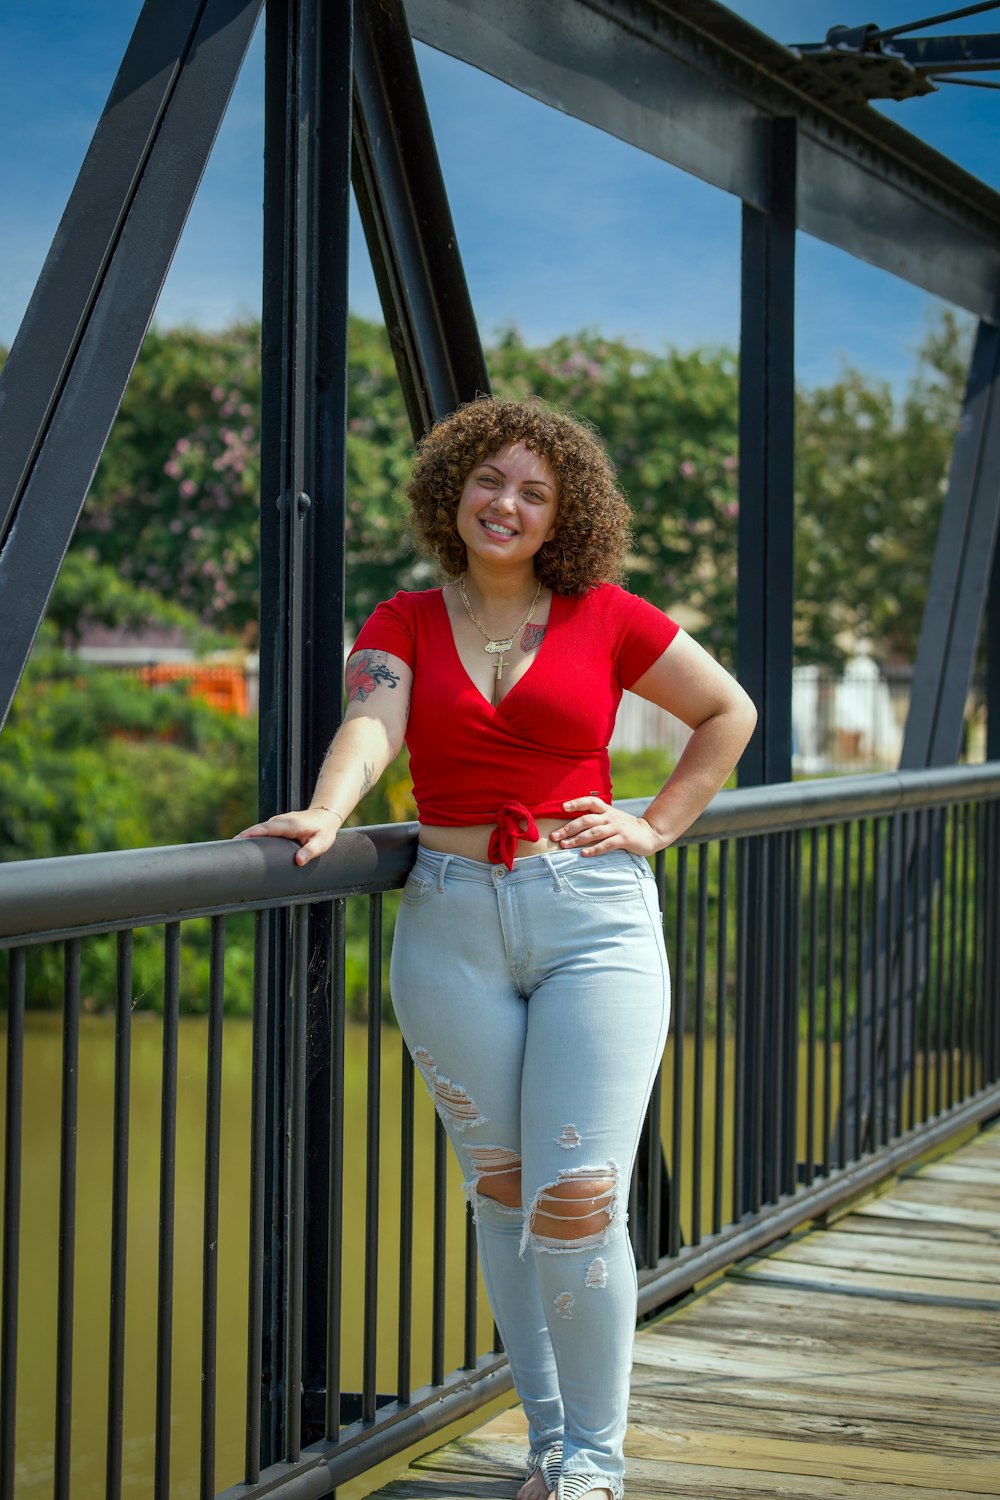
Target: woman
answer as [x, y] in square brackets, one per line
[528, 973]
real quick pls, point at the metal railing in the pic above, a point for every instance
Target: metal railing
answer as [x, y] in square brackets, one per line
[835, 949]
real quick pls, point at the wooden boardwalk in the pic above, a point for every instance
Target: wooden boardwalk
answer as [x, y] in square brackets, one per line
[853, 1361]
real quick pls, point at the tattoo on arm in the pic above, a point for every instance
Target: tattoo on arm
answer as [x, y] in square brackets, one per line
[367, 779]
[532, 638]
[365, 670]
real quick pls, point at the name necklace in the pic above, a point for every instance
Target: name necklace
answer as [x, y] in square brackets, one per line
[496, 647]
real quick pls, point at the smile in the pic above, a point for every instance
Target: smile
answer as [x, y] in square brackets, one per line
[498, 529]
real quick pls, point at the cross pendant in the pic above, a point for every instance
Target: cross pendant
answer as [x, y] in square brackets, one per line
[500, 666]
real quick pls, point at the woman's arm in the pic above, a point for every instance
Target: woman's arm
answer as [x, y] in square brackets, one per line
[378, 703]
[691, 685]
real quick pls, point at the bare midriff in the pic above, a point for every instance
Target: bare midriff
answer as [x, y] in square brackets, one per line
[472, 842]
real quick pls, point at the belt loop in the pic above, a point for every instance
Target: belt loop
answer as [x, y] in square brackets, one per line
[557, 880]
[446, 861]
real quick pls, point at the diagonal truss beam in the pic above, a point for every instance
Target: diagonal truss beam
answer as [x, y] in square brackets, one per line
[408, 225]
[960, 576]
[67, 371]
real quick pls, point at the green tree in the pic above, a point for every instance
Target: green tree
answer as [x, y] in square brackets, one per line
[174, 504]
[871, 474]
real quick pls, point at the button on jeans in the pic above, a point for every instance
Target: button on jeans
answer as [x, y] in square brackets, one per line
[535, 1003]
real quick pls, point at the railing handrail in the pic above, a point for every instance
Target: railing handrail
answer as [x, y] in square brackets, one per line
[42, 899]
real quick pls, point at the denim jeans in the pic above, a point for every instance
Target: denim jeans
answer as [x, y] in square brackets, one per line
[535, 1003]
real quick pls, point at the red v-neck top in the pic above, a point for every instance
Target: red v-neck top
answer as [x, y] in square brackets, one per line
[547, 740]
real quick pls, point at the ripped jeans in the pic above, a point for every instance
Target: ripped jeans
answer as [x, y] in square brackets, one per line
[535, 1003]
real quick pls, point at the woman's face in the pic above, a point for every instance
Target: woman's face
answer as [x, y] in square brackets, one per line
[508, 505]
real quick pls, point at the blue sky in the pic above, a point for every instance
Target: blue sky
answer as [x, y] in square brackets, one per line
[561, 227]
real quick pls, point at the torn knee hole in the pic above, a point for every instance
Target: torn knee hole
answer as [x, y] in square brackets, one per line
[451, 1099]
[576, 1211]
[497, 1172]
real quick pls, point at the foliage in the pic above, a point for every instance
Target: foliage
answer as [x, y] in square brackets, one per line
[872, 473]
[93, 759]
[174, 507]
[174, 504]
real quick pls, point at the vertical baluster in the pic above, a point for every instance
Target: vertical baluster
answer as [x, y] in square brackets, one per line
[845, 985]
[978, 951]
[964, 988]
[991, 1041]
[927, 846]
[368, 1389]
[740, 1049]
[67, 1217]
[295, 1182]
[210, 1219]
[940, 850]
[955, 919]
[13, 1140]
[680, 997]
[168, 1169]
[878, 991]
[812, 992]
[335, 1238]
[119, 1214]
[906, 1006]
[439, 1288]
[860, 1008]
[654, 1140]
[721, 977]
[406, 1186]
[828, 980]
[255, 1278]
[634, 1219]
[471, 1291]
[793, 907]
[776, 922]
[890, 975]
[761, 999]
[654, 1154]
[698, 1102]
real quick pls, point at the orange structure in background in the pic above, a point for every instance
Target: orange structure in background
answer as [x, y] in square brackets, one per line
[223, 686]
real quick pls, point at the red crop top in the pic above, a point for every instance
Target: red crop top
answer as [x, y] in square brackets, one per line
[547, 740]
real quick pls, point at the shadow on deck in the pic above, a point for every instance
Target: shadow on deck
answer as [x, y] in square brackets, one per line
[856, 1359]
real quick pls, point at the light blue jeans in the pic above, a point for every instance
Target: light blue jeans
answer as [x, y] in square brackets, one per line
[535, 1003]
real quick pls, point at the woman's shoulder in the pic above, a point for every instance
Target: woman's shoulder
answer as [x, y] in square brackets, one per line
[411, 602]
[609, 600]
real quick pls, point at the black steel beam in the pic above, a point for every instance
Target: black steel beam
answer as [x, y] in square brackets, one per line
[949, 54]
[960, 576]
[690, 82]
[67, 371]
[411, 237]
[993, 662]
[765, 599]
[303, 482]
[766, 577]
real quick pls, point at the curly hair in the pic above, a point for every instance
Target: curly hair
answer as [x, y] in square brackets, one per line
[593, 518]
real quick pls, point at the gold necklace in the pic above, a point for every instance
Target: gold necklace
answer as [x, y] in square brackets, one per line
[497, 647]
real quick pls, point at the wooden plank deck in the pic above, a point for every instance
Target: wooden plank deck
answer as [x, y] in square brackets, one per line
[854, 1361]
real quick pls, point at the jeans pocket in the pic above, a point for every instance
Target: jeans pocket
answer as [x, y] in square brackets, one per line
[602, 878]
[417, 890]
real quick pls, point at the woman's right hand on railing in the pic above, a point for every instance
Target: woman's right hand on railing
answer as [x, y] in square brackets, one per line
[315, 829]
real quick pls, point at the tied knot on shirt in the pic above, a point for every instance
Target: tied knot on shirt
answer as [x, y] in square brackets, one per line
[514, 822]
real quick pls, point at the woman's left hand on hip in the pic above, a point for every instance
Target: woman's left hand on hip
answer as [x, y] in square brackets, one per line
[597, 828]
